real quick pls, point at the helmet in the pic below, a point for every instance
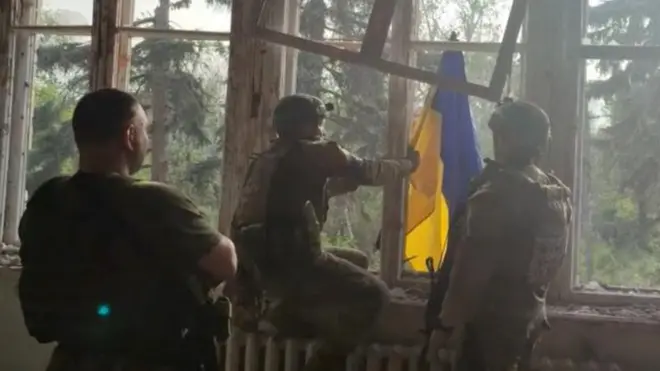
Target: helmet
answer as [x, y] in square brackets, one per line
[298, 110]
[526, 124]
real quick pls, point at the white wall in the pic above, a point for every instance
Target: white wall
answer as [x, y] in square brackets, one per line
[18, 351]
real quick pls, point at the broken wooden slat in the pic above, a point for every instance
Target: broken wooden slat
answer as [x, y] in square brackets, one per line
[380, 19]
[384, 66]
[504, 61]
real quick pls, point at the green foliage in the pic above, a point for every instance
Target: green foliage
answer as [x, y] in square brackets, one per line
[619, 244]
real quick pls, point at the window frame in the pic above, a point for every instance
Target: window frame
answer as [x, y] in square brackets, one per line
[536, 62]
[573, 49]
[10, 194]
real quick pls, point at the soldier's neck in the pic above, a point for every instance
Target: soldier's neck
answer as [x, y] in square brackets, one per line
[100, 163]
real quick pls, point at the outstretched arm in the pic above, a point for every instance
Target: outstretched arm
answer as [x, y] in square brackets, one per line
[355, 171]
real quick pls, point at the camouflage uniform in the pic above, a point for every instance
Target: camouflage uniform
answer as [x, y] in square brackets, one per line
[63, 225]
[506, 248]
[327, 294]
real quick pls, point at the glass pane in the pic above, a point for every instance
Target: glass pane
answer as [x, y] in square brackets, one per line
[359, 123]
[200, 15]
[65, 12]
[474, 21]
[60, 79]
[621, 22]
[182, 85]
[619, 223]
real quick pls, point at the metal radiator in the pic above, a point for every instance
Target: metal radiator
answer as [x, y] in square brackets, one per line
[252, 352]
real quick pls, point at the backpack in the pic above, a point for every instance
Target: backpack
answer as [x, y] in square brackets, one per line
[91, 287]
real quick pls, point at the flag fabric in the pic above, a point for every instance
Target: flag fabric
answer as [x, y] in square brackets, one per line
[444, 136]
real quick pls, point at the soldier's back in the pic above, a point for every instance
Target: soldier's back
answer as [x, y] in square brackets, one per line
[533, 215]
[283, 178]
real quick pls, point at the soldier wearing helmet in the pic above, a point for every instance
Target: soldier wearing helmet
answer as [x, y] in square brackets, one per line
[504, 249]
[282, 207]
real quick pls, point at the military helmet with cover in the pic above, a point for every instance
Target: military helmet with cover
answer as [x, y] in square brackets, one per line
[295, 112]
[525, 125]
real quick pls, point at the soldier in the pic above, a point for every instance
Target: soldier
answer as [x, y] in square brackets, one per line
[507, 248]
[115, 269]
[283, 205]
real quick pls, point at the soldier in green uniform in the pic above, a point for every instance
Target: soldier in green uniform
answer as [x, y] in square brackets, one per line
[507, 247]
[284, 202]
[109, 261]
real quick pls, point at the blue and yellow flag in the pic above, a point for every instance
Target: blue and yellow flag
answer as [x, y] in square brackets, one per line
[444, 136]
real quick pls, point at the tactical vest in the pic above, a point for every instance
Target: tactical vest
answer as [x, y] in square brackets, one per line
[540, 211]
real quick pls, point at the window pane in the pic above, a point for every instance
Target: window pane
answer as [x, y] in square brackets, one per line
[474, 21]
[619, 237]
[200, 15]
[60, 79]
[621, 22]
[182, 85]
[65, 12]
[359, 123]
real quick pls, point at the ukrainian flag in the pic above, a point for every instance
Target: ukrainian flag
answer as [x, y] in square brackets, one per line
[444, 136]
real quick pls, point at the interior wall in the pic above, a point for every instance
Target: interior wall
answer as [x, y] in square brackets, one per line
[18, 351]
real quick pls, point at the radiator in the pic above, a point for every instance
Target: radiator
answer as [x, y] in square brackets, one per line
[252, 352]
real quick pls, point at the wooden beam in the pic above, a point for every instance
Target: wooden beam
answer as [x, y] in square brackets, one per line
[384, 66]
[24, 58]
[7, 43]
[398, 119]
[105, 22]
[123, 60]
[252, 92]
[291, 65]
[378, 28]
[619, 52]
[504, 61]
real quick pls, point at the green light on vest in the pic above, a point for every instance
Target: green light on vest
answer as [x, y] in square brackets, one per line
[103, 310]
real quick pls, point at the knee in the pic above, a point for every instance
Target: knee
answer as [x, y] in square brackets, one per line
[376, 296]
[360, 259]
[354, 256]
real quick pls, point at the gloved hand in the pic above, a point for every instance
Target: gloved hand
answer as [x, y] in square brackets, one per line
[413, 156]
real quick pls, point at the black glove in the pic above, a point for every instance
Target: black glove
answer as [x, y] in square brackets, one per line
[413, 156]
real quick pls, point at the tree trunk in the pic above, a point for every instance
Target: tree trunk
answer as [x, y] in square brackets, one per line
[159, 91]
[255, 72]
